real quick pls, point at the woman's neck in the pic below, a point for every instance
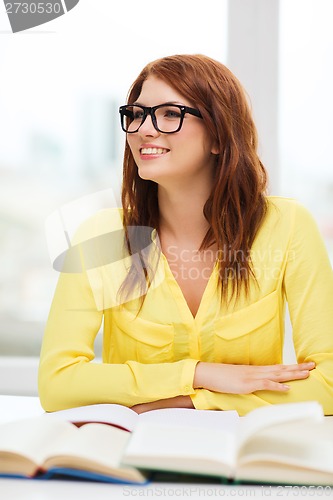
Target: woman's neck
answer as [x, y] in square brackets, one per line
[181, 215]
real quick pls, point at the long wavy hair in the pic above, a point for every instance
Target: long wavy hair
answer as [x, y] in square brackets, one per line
[236, 206]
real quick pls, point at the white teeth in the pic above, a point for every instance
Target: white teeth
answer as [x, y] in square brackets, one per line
[153, 151]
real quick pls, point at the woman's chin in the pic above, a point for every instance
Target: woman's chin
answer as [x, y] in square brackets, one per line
[148, 174]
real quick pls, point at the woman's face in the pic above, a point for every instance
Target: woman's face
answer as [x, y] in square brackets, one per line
[166, 158]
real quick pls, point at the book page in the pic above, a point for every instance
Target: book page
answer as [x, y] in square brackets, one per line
[29, 438]
[206, 419]
[181, 449]
[94, 442]
[118, 415]
[305, 444]
[268, 416]
[94, 447]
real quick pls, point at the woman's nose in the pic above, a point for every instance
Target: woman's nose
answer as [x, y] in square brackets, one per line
[147, 128]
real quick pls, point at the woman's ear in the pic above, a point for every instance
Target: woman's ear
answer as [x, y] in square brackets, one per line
[215, 150]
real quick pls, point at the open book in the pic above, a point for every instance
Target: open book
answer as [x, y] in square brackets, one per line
[79, 443]
[127, 419]
[285, 444]
[291, 443]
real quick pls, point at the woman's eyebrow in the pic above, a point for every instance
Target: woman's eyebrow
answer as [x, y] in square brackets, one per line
[137, 103]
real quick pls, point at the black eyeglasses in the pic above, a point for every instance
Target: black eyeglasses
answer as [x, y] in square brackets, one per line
[166, 118]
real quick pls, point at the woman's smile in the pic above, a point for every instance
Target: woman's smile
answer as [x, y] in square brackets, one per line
[151, 151]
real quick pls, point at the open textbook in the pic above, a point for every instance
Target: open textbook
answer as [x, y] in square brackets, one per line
[291, 443]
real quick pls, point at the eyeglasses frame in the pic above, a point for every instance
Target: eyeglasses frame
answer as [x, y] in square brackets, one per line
[147, 110]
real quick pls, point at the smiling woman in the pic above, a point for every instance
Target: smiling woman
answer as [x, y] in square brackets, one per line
[184, 154]
[195, 301]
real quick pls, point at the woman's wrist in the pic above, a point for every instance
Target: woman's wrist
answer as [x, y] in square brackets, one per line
[199, 379]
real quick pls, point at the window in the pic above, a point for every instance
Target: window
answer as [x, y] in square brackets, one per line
[306, 108]
[60, 136]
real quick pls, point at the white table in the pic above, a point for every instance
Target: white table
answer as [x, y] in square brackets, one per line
[21, 489]
[70, 490]
[16, 407]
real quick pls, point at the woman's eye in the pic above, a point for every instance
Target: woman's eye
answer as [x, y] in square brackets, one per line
[172, 114]
[138, 115]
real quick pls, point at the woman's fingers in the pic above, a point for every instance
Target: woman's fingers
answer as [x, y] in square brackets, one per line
[284, 373]
[290, 368]
[289, 375]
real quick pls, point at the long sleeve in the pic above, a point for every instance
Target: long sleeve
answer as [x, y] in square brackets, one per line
[68, 375]
[307, 282]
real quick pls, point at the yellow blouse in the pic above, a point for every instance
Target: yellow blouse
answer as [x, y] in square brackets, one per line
[152, 355]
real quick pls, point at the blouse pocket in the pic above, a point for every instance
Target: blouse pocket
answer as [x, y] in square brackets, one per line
[142, 340]
[250, 335]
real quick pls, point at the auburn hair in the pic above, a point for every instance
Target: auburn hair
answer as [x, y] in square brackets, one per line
[236, 206]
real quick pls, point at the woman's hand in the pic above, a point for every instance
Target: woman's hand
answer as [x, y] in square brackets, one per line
[244, 379]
